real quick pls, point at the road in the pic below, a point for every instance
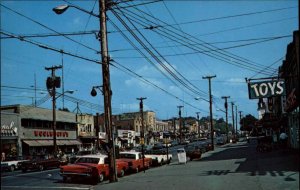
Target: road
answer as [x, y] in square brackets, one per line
[232, 166]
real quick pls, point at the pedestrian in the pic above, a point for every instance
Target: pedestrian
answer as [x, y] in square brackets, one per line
[2, 156]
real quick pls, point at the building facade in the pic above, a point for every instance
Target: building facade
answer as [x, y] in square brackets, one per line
[34, 130]
[290, 72]
[86, 131]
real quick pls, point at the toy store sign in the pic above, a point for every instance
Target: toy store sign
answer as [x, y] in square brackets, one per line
[266, 89]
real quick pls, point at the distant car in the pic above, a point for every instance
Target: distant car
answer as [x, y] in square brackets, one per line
[193, 152]
[158, 146]
[220, 140]
[40, 164]
[174, 143]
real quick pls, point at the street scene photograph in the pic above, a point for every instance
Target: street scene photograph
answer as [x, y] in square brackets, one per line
[149, 94]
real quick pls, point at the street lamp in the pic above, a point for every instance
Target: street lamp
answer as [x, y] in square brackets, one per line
[62, 8]
[199, 98]
[105, 77]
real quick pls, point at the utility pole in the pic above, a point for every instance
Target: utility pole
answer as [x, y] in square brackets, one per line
[240, 118]
[198, 118]
[180, 123]
[210, 110]
[107, 93]
[34, 90]
[236, 119]
[142, 130]
[52, 84]
[232, 119]
[226, 109]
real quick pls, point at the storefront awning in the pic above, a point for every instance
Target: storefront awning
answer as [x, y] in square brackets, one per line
[50, 142]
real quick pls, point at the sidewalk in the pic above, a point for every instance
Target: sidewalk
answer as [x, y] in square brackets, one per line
[231, 166]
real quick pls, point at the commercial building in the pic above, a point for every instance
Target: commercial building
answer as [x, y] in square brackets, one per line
[290, 72]
[28, 130]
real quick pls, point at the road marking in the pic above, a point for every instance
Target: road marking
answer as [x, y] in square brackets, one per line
[43, 187]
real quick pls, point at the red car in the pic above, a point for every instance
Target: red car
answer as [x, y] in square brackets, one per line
[93, 167]
[135, 161]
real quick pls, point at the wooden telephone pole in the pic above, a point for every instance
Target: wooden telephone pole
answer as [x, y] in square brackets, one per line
[210, 110]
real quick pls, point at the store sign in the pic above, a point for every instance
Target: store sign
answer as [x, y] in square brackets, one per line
[266, 89]
[291, 101]
[9, 129]
[50, 134]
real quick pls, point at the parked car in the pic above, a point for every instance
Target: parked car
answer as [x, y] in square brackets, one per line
[40, 164]
[159, 157]
[158, 146]
[220, 140]
[135, 161]
[93, 167]
[13, 163]
[193, 152]
[4, 167]
[74, 157]
[174, 143]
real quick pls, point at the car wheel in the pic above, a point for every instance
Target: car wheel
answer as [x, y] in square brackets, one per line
[162, 162]
[41, 167]
[12, 168]
[101, 177]
[122, 173]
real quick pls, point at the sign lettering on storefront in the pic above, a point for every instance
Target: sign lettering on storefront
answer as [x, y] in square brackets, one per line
[50, 134]
[266, 89]
[10, 129]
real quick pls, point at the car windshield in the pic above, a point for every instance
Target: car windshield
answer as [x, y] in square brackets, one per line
[130, 156]
[88, 160]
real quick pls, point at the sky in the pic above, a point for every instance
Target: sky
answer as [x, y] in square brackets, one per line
[185, 41]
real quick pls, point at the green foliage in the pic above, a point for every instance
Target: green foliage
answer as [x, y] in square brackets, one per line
[247, 122]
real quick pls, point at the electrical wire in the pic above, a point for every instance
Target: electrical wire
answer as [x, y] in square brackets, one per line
[236, 61]
[186, 82]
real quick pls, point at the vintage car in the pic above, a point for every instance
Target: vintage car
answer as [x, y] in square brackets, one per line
[93, 167]
[193, 152]
[73, 157]
[159, 157]
[13, 163]
[135, 161]
[39, 164]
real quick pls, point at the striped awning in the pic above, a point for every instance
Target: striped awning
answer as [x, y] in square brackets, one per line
[50, 142]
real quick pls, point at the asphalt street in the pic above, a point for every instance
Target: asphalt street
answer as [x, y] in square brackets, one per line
[231, 166]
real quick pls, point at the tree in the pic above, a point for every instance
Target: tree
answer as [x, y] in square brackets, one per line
[248, 122]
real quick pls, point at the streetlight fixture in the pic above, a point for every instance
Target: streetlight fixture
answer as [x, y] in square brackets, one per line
[62, 8]
[103, 6]
[199, 98]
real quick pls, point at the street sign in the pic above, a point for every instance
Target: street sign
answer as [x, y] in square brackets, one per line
[265, 89]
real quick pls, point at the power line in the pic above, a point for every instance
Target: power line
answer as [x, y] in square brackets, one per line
[232, 59]
[36, 22]
[185, 83]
